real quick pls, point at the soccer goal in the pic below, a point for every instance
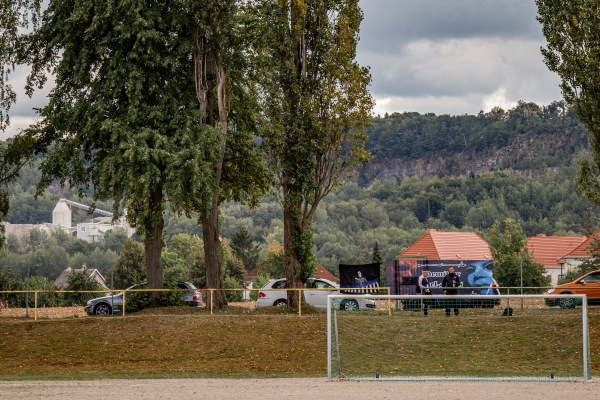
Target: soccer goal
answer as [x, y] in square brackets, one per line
[460, 337]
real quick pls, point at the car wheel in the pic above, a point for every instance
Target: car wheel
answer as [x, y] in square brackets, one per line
[102, 309]
[566, 303]
[349, 305]
[280, 303]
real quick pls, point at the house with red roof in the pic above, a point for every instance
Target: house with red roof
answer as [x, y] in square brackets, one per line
[550, 251]
[580, 253]
[466, 252]
[436, 245]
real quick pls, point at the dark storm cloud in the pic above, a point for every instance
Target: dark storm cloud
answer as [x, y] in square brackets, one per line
[390, 24]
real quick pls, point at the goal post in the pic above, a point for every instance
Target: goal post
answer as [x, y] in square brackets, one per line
[493, 337]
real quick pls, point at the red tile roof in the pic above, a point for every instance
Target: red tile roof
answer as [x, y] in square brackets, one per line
[583, 251]
[550, 250]
[449, 246]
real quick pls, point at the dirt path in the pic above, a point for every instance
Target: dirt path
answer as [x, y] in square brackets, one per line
[276, 389]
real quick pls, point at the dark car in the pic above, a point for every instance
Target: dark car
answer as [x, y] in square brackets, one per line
[113, 303]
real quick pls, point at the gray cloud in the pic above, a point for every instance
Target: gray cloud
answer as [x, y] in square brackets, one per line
[440, 56]
[454, 57]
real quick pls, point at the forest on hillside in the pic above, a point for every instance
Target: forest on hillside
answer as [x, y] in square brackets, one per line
[538, 189]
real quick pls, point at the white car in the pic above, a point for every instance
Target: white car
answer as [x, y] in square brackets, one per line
[272, 294]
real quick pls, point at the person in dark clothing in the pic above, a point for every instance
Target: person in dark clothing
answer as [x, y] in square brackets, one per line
[425, 289]
[450, 284]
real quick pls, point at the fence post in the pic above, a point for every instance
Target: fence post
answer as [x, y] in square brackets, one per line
[389, 302]
[299, 302]
[211, 301]
[35, 305]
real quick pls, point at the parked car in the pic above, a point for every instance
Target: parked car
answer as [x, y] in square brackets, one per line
[588, 284]
[269, 295]
[113, 303]
[435, 302]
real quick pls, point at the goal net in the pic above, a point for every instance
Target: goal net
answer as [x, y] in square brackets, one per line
[493, 337]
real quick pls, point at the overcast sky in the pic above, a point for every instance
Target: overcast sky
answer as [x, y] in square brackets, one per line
[454, 56]
[441, 56]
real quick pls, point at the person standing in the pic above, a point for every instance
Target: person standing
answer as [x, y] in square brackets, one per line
[451, 284]
[424, 289]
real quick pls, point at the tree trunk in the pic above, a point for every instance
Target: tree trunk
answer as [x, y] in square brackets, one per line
[212, 256]
[290, 260]
[153, 245]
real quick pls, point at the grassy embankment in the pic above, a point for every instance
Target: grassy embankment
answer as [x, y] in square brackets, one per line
[192, 343]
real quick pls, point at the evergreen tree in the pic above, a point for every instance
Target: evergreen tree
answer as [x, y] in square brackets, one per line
[130, 267]
[245, 248]
[376, 255]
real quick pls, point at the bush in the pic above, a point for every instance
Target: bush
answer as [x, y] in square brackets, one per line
[233, 295]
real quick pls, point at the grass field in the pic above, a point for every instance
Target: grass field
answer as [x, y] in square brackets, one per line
[235, 343]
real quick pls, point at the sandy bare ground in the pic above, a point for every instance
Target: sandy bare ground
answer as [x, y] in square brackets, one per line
[313, 388]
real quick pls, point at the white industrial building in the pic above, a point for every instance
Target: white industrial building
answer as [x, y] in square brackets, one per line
[91, 231]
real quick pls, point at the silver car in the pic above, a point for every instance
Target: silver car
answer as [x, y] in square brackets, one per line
[271, 294]
[113, 303]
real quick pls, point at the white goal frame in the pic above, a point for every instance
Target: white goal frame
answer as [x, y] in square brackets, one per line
[332, 320]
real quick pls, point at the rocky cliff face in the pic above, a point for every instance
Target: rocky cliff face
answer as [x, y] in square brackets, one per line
[528, 155]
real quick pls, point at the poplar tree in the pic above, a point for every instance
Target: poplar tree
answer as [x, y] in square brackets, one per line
[316, 106]
[572, 31]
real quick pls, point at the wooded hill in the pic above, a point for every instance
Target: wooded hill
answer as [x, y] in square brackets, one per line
[443, 172]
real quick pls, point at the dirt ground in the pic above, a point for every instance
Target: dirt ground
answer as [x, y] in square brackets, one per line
[43, 313]
[313, 388]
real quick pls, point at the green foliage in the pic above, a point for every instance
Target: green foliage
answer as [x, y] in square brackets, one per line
[412, 136]
[245, 248]
[272, 263]
[571, 30]
[80, 281]
[514, 266]
[50, 299]
[180, 255]
[234, 268]
[376, 255]
[130, 267]
[232, 283]
[316, 107]
[303, 247]
[171, 298]
[137, 299]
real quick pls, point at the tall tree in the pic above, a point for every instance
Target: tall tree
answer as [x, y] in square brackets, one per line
[124, 119]
[245, 248]
[317, 105]
[514, 265]
[224, 94]
[376, 254]
[572, 31]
